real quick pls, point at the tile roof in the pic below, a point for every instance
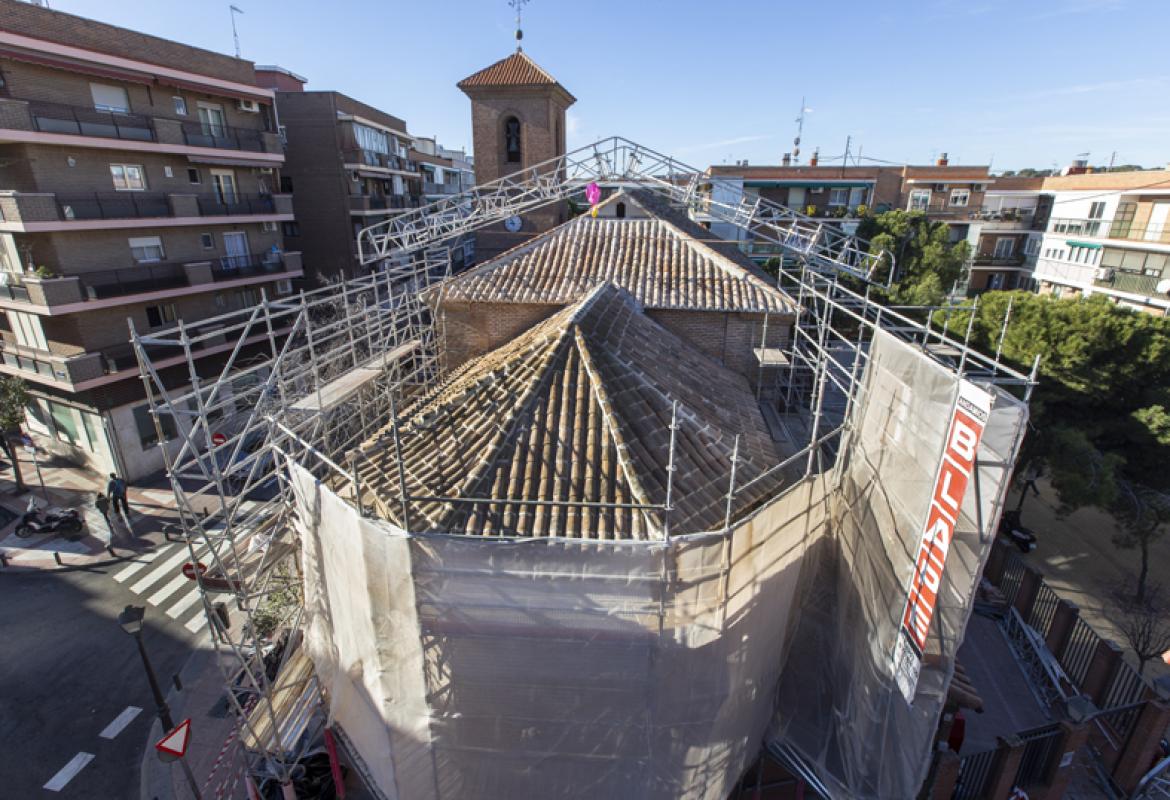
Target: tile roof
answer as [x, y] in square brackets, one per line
[515, 70]
[654, 259]
[578, 409]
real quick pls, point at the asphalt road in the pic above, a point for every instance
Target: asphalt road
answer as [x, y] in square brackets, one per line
[68, 673]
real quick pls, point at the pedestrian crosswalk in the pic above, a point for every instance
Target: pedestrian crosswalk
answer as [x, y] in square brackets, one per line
[158, 578]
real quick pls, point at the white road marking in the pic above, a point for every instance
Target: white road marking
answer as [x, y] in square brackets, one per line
[178, 556]
[198, 622]
[185, 602]
[138, 564]
[120, 722]
[172, 587]
[58, 781]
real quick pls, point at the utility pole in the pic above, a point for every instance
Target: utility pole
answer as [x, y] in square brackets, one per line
[1112, 158]
[236, 36]
[845, 160]
[799, 132]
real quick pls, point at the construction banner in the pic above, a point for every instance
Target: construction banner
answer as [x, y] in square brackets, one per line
[968, 418]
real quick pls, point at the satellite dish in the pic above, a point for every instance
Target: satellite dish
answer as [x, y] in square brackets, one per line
[1163, 286]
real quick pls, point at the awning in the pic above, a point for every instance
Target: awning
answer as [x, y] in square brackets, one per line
[1086, 245]
[242, 161]
[846, 184]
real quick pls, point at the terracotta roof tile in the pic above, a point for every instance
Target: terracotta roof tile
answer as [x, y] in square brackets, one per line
[661, 265]
[515, 70]
[576, 409]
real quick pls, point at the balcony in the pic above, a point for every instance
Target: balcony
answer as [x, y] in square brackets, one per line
[1016, 260]
[60, 370]
[139, 279]
[430, 187]
[361, 203]
[170, 135]
[1156, 233]
[232, 268]
[369, 158]
[1130, 282]
[114, 205]
[213, 205]
[1007, 219]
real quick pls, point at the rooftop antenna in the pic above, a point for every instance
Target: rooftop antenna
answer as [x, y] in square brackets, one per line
[799, 131]
[519, 6]
[235, 34]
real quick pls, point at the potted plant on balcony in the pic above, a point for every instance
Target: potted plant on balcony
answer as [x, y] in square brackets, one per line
[861, 211]
[810, 210]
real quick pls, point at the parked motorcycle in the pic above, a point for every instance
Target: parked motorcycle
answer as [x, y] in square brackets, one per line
[1011, 527]
[66, 521]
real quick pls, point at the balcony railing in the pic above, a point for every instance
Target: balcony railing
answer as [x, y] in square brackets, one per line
[232, 205]
[1131, 282]
[199, 134]
[26, 361]
[367, 202]
[1112, 229]
[80, 121]
[372, 159]
[1016, 260]
[430, 187]
[230, 268]
[13, 291]
[133, 280]
[113, 205]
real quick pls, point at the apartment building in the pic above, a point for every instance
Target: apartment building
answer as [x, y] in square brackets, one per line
[446, 173]
[1006, 234]
[840, 195]
[1109, 234]
[139, 182]
[348, 166]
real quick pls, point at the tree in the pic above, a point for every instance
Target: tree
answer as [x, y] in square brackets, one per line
[1143, 515]
[1145, 626]
[927, 262]
[14, 399]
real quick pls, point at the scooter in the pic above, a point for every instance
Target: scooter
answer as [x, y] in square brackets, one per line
[67, 521]
[1011, 527]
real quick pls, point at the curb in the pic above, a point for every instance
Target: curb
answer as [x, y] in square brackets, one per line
[156, 781]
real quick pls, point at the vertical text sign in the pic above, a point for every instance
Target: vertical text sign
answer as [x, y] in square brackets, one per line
[972, 407]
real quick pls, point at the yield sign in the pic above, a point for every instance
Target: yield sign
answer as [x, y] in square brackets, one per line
[174, 744]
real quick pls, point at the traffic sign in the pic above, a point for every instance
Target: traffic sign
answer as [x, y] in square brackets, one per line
[218, 438]
[174, 744]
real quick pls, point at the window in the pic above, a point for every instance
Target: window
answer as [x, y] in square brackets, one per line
[128, 177]
[249, 298]
[919, 199]
[960, 197]
[168, 172]
[147, 249]
[620, 211]
[856, 196]
[1097, 210]
[512, 140]
[109, 98]
[268, 226]
[1123, 221]
[1032, 246]
[290, 229]
[27, 329]
[147, 433]
[371, 139]
[160, 314]
[180, 106]
[838, 197]
[1004, 247]
[224, 181]
[207, 241]
[64, 423]
[193, 175]
[211, 119]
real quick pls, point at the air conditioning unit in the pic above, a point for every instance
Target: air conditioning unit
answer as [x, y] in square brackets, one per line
[284, 287]
[251, 106]
[979, 187]
[940, 187]
[1163, 286]
[269, 226]
[266, 170]
[816, 190]
[1103, 274]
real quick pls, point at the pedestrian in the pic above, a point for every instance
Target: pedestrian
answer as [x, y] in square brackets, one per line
[116, 488]
[103, 505]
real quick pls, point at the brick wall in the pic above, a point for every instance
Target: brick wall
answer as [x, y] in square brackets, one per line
[43, 84]
[55, 26]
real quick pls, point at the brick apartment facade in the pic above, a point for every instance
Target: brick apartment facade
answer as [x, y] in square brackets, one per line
[140, 182]
[349, 166]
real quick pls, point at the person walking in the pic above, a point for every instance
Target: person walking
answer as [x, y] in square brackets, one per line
[116, 489]
[103, 506]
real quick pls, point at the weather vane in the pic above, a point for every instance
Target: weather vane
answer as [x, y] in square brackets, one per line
[519, 6]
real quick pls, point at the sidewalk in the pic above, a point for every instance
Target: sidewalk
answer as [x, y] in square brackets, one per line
[151, 507]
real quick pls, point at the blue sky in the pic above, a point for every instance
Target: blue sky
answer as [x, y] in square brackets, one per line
[1013, 82]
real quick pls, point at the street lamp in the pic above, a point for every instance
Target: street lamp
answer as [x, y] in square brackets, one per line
[131, 620]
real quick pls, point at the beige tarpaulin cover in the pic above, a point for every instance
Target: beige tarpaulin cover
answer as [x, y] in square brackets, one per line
[461, 667]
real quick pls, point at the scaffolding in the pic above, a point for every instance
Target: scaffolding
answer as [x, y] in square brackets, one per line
[300, 382]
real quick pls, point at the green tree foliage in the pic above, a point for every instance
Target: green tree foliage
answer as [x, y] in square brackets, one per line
[1100, 414]
[928, 262]
[14, 399]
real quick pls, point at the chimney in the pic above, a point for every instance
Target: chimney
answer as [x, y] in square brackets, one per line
[787, 160]
[1079, 166]
[942, 160]
[816, 157]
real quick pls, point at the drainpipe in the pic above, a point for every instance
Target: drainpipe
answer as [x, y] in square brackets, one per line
[115, 448]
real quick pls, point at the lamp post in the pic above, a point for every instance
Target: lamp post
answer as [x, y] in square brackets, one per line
[131, 621]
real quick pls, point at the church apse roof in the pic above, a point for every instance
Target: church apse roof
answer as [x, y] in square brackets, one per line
[517, 70]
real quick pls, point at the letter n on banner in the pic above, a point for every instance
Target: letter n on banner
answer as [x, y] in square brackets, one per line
[968, 417]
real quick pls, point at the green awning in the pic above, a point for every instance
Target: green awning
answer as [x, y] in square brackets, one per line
[1086, 245]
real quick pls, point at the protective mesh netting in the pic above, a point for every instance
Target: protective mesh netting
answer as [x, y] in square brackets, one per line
[461, 667]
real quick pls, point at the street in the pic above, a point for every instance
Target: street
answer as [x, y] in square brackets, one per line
[71, 679]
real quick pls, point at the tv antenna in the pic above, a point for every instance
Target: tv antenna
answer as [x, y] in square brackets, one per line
[236, 36]
[799, 131]
[519, 6]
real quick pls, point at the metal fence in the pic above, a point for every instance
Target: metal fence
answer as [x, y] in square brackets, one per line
[1013, 577]
[1043, 610]
[974, 775]
[1040, 747]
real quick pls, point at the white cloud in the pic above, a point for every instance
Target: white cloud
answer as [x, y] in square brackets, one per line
[698, 148]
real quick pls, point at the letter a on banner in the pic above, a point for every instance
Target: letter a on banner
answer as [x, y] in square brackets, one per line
[969, 415]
